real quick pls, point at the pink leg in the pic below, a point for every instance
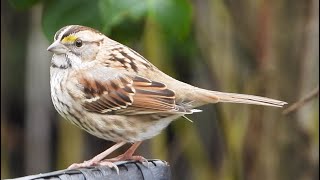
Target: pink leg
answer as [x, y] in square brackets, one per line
[128, 155]
[98, 158]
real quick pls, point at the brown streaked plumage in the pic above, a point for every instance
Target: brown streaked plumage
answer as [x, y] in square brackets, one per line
[114, 93]
[123, 93]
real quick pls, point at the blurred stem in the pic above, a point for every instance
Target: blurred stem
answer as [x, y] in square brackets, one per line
[4, 125]
[4, 149]
[194, 150]
[70, 144]
[228, 73]
[38, 103]
[155, 52]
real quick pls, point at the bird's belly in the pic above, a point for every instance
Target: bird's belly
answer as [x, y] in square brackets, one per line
[127, 128]
[154, 128]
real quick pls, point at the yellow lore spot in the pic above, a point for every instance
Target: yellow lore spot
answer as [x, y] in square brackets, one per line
[69, 39]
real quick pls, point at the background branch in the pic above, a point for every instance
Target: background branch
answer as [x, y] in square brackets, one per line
[313, 94]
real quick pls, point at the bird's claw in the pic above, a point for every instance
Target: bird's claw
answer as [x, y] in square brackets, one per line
[93, 163]
[82, 165]
[110, 165]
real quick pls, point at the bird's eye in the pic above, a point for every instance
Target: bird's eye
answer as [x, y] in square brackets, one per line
[78, 42]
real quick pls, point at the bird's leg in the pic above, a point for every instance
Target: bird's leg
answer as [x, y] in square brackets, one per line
[97, 159]
[128, 155]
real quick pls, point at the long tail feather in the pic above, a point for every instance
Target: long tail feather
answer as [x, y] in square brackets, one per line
[215, 97]
[247, 99]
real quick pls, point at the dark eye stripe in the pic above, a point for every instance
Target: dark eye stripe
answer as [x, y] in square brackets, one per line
[59, 32]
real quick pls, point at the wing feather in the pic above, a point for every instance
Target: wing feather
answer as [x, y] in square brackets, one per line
[118, 93]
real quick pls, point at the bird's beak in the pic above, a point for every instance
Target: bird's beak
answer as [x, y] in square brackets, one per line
[57, 48]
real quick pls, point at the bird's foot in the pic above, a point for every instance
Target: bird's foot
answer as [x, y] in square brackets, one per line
[126, 157]
[99, 161]
[92, 162]
[82, 165]
[123, 157]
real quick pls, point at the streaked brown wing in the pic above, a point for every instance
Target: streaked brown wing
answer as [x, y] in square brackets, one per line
[125, 94]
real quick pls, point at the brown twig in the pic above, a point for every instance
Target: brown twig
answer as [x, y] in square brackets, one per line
[314, 93]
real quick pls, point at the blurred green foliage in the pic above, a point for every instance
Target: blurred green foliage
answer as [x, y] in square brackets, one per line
[173, 16]
[23, 4]
[59, 13]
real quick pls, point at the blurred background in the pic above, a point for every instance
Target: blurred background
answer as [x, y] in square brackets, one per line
[260, 47]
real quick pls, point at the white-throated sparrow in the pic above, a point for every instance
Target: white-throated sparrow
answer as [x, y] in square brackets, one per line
[114, 93]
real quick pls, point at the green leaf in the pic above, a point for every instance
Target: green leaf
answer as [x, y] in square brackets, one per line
[174, 16]
[121, 34]
[22, 4]
[115, 12]
[59, 13]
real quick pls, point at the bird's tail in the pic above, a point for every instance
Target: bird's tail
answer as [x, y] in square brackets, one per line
[215, 97]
